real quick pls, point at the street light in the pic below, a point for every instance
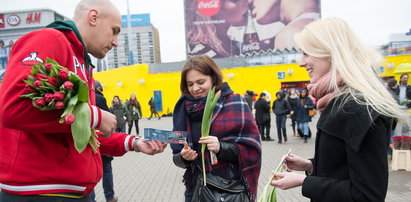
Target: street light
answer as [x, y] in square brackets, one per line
[130, 50]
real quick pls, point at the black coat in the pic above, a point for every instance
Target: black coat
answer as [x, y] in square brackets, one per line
[281, 107]
[262, 111]
[293, 105]
[350, 162]
[101, 101]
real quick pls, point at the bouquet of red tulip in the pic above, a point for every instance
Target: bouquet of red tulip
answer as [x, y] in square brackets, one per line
[52, 87]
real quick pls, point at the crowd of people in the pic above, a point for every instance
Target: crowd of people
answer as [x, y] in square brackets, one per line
[39, 160]
[294, 104]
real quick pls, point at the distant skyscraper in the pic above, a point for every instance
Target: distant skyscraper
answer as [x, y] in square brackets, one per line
[144, 42]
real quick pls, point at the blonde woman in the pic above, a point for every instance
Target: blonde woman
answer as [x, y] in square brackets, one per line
[357, 111]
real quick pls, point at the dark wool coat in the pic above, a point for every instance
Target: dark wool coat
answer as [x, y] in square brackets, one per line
[120, 112]
[281, 107]
[350, 162]
[262, 111]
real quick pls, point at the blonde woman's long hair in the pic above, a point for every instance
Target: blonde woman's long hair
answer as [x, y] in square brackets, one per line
[332, 38]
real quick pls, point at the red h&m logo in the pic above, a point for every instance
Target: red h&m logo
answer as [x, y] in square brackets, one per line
[1, 20]
[33, 18]
[208, 7]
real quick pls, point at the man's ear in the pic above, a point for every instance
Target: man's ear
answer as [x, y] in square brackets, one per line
[92, 16]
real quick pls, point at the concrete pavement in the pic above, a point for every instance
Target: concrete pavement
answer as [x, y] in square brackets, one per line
[139, 177]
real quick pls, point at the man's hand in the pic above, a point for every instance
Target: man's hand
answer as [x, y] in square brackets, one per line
[149, 147]
[108, 124]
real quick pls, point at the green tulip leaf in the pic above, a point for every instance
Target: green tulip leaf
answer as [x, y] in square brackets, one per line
[80, 129]
[70, 106]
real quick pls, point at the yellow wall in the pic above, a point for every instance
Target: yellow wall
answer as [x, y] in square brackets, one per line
[245, 78]
[396, 60]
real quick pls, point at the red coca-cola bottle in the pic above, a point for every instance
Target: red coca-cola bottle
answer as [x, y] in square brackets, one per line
[251, 42]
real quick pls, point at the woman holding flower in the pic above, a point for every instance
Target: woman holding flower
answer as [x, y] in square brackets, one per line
[357, 113]
[234, 136]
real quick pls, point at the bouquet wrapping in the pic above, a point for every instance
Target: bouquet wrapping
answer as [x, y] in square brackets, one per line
[53, 87]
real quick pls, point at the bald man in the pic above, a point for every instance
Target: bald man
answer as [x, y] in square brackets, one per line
[38, 160]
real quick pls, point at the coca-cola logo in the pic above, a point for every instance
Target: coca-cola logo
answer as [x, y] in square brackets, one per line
[249, 48]
[208, 7]
[13, 20]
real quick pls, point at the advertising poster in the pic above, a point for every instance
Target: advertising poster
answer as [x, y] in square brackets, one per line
[226, 28]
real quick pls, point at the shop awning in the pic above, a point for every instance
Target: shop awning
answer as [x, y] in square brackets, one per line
[403, 68]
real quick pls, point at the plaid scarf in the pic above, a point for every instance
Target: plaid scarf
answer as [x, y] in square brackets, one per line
[232, 122]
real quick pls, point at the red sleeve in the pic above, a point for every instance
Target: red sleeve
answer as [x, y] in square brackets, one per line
[95, 116]
[116, 145]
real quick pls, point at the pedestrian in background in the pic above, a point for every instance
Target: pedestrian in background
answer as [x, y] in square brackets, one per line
[133, 109]
[357, 112]
[404, 96]
[248, 96]
[233, 138]
[3, 55]
[392, 87]
[153, 109]
[292, 100]
[262, 117]
[120, 112]
[404, 93]
[304, 103]
[281, 108]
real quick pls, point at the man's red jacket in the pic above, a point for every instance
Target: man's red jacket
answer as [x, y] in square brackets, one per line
[37, 154]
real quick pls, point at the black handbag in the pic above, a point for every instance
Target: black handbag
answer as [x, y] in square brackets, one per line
[219, 189]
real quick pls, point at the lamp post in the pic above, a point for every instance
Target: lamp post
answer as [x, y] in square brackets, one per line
[130, 50]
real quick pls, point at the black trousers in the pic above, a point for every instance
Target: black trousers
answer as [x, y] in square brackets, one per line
[6, 197]
[265, 127]
[130, 126]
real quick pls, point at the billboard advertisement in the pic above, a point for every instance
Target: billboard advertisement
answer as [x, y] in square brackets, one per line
[226, 28]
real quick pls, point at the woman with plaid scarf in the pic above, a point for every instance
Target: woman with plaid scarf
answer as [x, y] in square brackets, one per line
[234, 136]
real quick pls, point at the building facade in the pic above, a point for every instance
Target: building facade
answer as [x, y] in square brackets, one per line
[14, 24]
[145, 44]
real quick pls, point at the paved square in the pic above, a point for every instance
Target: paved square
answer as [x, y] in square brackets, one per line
[139, 177]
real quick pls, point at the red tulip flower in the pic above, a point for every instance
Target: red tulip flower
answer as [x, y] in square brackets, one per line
[37, 83]
[29, 89]
[40, 102]
[68, 85]
[59, 105]
[41, 76]
[63, 74]
[48, 97]
[59, 96]
[48, 66]
[53, 81]
[69, 119]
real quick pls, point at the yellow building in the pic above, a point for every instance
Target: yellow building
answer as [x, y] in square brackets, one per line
[137, 79]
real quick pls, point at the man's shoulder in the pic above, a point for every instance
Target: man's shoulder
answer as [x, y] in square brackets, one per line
[46, 33]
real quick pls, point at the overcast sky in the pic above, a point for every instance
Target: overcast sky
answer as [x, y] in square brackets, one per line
[373, 20]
